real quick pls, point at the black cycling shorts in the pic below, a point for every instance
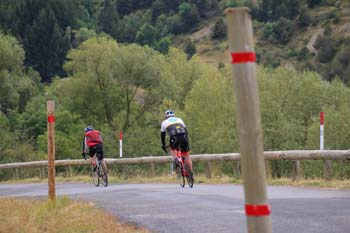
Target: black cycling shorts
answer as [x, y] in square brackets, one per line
[179, 141]
[98, 149]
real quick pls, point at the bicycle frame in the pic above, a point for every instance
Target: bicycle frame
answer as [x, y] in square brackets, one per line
[181, 159]
[184, 173]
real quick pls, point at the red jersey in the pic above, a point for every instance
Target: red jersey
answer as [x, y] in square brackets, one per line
[93, 138]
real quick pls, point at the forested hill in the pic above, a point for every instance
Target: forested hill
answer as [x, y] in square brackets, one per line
[308, 34]
[118, 65]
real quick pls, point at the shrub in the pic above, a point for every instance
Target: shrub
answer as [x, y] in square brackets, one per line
[327, 50]
[219, 30]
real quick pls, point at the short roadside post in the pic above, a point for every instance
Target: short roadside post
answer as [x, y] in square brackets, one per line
[240, 38]
[125, 167]
[327, 164]
[51, 148]
[120, 144]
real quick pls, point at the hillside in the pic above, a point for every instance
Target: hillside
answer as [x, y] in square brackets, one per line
[306, 34]
[320, 45]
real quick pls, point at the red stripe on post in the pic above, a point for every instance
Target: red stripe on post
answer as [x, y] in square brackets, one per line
[257, 210]
[321, 118]
[120, 135]
[243, 57]
[51, 119]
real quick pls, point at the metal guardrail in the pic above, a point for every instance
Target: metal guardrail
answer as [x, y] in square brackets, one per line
[269, 155]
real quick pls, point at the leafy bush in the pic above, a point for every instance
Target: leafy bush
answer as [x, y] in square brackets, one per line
[279, 31]
[313, 3]
[304, 19]
[219, 30]
[190, 48]
[326, 49]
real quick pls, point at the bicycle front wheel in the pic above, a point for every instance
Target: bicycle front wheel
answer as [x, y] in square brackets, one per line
[180, 177]
[189, 176]
[190, 179]
[95, 176]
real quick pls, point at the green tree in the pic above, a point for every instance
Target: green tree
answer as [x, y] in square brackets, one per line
[327, 49]
[108, 19]
[137, 70]
[271, 10]
[210, 113]
[158, 8]
[11, 53]
[189, 15]
[190, 48]
[181, 75]
[129, 26]
[82, 35]
[8, 95]
[313, 3]
[163, 45]
[174, 24]
[219, 30]
[147, 35]
[46, 46]
[93, 67]
[114, 80]
[16, 86]
[125, 7]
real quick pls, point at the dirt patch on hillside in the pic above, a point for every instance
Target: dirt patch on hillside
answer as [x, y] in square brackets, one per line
[311, 44]
[203, 33]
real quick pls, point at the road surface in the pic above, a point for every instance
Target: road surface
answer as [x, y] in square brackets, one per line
[167, 208]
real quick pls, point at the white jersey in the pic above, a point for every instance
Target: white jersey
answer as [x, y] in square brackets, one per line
[171, 121]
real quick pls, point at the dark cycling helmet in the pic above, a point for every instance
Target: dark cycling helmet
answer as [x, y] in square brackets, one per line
[89, 128]
[169, 113]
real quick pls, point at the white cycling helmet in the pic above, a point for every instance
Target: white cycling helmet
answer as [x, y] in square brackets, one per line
[89, 128]
[169, 113]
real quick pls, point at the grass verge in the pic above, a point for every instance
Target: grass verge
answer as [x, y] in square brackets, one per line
[63, 216]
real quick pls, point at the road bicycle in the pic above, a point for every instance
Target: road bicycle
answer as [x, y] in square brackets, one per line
[183, 172]
[99, 172]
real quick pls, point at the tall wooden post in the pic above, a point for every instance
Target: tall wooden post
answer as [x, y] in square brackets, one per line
[51, 148]
[240, 36]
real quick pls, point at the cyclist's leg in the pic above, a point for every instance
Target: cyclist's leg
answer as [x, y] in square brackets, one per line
[172, 153]
[185, 151]
[104, 164]
[99, 154]
[92, 154]
[172, 145]
[188, 160]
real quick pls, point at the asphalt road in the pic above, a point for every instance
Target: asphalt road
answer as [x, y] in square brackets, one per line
[206, 208]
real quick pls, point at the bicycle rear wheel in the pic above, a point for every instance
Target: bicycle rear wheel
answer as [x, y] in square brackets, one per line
[95, 175]
[104, 175]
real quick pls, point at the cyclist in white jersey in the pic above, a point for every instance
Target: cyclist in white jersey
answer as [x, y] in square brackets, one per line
[178, 138]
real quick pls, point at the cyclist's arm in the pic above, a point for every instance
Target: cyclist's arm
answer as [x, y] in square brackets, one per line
[162, 137]
[84, 144]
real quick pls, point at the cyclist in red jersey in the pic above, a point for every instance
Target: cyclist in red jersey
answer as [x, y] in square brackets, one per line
[178, 137]
[93, 142]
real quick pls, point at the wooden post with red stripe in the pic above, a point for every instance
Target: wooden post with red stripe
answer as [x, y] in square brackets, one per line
[321, 130]
[240, 38]
[120, 144]
[51, 148]
[327, 164]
